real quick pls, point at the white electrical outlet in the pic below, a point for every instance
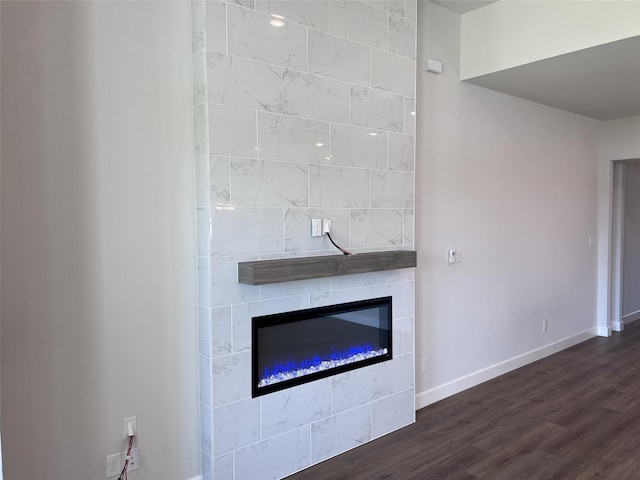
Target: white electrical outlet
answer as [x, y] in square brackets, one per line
[316, 227]
[114, 465]
[545, 326]
[424, 364]
[326, 226]
[134, 421]
[134, 462]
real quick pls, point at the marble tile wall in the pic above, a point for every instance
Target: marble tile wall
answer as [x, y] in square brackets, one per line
[313, 117]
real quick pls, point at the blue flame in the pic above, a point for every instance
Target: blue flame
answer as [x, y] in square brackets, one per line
[293, 365]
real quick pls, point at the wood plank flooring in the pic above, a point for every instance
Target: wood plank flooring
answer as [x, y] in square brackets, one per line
[572, 416]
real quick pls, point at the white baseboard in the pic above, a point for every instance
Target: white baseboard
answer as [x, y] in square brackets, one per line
[476, 378]
[604, 331]
[631, 317]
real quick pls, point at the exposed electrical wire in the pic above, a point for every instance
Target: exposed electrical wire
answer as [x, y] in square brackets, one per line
[123, 473]
[345, 252]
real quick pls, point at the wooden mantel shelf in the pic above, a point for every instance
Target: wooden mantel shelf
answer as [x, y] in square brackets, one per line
[262, 272]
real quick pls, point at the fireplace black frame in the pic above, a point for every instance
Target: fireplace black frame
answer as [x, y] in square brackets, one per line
[312, 313]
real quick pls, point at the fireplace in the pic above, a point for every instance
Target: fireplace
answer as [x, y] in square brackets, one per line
[296, 347]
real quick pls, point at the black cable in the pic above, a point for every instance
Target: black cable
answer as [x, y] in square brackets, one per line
[345, 252]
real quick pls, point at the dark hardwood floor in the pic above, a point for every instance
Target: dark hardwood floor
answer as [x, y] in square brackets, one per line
[574, 416]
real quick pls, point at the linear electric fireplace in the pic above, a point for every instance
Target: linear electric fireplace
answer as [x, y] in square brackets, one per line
[297, 347]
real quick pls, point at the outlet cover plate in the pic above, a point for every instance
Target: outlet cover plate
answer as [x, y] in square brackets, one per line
[114, 465]
[134, 463]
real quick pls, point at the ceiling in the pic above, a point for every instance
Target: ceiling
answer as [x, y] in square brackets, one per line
[601, 82]
[463, 6]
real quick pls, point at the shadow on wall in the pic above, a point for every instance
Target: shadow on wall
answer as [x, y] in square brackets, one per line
[49, 352]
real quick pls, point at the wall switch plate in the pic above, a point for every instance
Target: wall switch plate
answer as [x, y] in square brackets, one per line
[455, 256]
[114, 465]
[134, 462]
[126, 426]
[316, 227]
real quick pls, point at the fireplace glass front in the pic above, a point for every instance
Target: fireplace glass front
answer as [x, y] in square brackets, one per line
[297, 347]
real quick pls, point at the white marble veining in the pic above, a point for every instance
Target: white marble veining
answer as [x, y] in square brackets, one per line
[393, 73]
[338, 187]
[236, 425]
[294, 407]
[223, 286]
[359, 280]
[285, 289]
[361, 386]
[219, 189]
[222, 468]
[391, 189]
[392, 6]
[359, 22]
[293, 139]
[335, 297]
[392, 412]
[401, 152]
[265, 460]
[232, 131]
[244, 312]
[401, 373]
[204, 281]
[358, 147]
[407, 330]
[246, 230]
[263, 183]
[243, 83]
[216, 27]
[206, 434]
[410, 116]
[282, 119]
[206, 380]
[338, 58]
[197, 25]
[251, 35]
[412, 10]
[204, 327]
[202, 181]
[376, 109]
[402, 293]
[297, 223]
[200, 130]
[243, 3]
[408, 226]
[376, 227]
[206, 463]
[203, 231]
[402, 37]
[311, 13]
[199, 82]
[339, 433]
[220, 331]
[312, 96]
[232, 378]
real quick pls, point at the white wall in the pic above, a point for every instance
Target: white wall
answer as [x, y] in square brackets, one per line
[619, 140]
[511, 183]
[98, 304]
[507, 34]
[631, 257]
